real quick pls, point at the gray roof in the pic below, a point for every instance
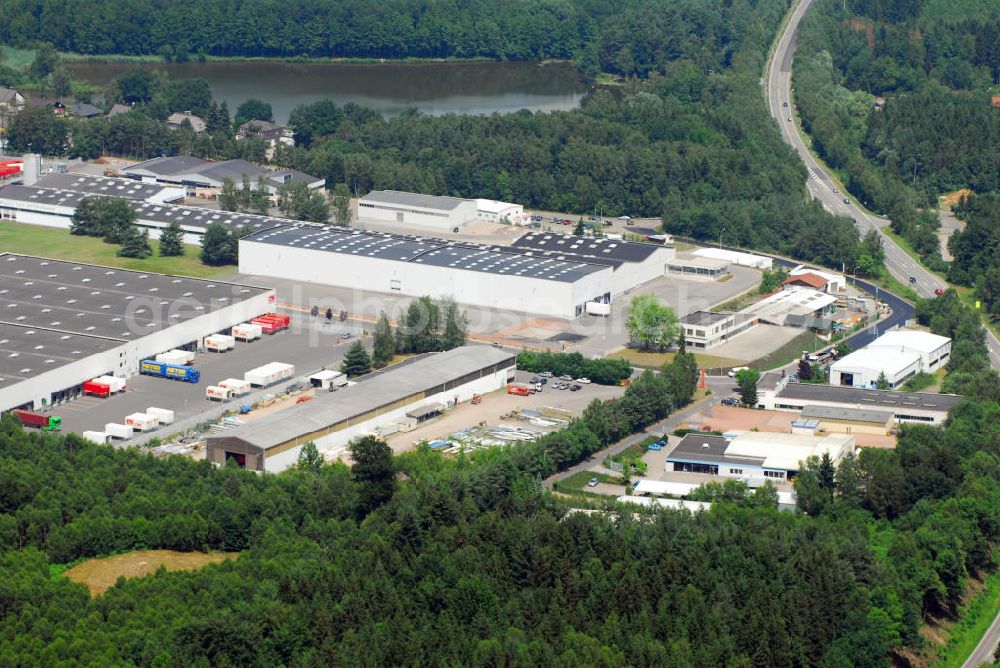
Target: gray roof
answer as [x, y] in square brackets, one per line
[168, 166]
[7, 95]
[26, 352]
[426, 375]
[844, 413]
[586, 249]
[424, 250]
[86, 110]
[119, 109]
[769, 380]
[101, 301]
[99, 185]
[692, 448]
[704, 318]
[231, 169]
[191, 219]
[438, 202]
[875, 399]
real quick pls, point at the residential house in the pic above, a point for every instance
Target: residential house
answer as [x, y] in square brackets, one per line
[85, 110]
[119, 109]
[176, 119]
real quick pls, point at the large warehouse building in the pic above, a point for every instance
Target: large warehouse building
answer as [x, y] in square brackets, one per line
[632, 263]
[331, 421]
[204, 178]
[774, 392]
[63, 323]
[899, 354]
[416, 266]
[54, 207]
[441, 214]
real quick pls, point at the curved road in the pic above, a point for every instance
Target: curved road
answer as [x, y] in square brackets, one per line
[778, 83]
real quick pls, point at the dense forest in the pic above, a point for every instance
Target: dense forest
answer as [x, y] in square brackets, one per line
[690, 142]
[976, 249]
[421, 560]
[935, 131]
[624, 36]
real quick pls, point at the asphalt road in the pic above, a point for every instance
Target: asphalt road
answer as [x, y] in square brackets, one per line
[778, 82]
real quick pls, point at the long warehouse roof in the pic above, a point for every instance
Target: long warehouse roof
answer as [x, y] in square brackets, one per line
[393, 385]
[861, 398]
[426, 251]
[26, 352]
[101, 185]
[101, 301]
[399, 198]
[585, 249]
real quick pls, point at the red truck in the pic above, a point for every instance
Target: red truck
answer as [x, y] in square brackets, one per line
[39, 420]
[519, 390]
[270, 323]
[95, 389]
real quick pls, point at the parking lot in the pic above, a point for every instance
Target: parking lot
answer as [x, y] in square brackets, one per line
[309, 344]
[498, 404]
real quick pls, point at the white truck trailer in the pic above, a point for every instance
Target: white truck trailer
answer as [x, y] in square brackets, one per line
[162, 415]
[118, 432]
[238, 386]
[216, 393]
[142, 422]
[219, 343]
[247, 332]
[269, 374]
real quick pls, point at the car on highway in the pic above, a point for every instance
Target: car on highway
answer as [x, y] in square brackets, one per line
[836, 191]
[847, 200]
[784, 104]
[913, 280]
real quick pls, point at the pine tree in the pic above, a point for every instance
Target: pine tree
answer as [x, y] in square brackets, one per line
[881, 383]
[356, 362]
[373, 471]
[309, 458]
[578, 229]
[135, 243]
[260, 200]
[172, 240]
[229, 198]
[341, 201]
[86, 220]
[116, 220]
[384, 343]
[456, 325]
[219, 246]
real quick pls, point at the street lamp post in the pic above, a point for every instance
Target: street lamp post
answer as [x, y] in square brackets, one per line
[721, 230]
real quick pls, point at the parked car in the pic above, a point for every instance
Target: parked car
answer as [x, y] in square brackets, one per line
[592, 482]
[345, 334]
[497, 344]
[731, 401]
[534, 380]
[938, 291]
[793, 378]
[563, 386]
[575, 388]
[543, 380]
[847, 200]
[566, 377]
[735, 370]
[546, 374]
[583, 381]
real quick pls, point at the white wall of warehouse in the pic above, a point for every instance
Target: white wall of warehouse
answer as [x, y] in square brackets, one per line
[61, 377]
[632, 274]
[512, 293]
[383, 212]
[336, 443]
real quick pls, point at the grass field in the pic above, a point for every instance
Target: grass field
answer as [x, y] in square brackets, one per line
[99, 575]
[577, 483]
[59, 244]
[642, 359]
[17, 58]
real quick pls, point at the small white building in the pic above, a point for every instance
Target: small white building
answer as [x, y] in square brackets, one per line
[834, 283]
[933, 350]
[434, 212]
[501, 212]
[735, 257]
[862, 368]
[707, 329]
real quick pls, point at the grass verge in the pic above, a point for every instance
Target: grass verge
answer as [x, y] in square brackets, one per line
[647, 360]
[974, 618]
[577, 483]
[59, 244]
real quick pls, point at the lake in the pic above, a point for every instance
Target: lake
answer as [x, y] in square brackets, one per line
[432, 88]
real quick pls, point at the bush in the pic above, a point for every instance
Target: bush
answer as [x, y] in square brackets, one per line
[600, 371]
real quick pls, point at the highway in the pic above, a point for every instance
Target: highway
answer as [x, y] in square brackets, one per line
[778, 91]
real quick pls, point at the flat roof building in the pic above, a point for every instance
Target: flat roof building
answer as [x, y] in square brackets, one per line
[633, 263]
[434, 212]
[65, 322]
[864, 367]
[699, 267]
[472, 274]
[204, 178]
[795, 301]
[933, 350]
[500, 212]
[754, 455]
[735, 257]
[111, 187]
[776, 393]
[331, 421]
[707, 329]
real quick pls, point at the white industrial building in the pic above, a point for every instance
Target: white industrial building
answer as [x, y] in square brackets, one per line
[832, 283]
[755, 456]
[632, 263]
[707, 329]
[434, 212]
[53, 207]
[105, 186]
[63, 323]
[500, 212]
[933, 350]
[471, 274]
[204, 178]
[899, 354]
[774, 392]
[792, 302]
[735, 257]
[383, 399]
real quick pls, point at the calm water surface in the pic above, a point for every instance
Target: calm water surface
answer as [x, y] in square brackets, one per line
[432, 88]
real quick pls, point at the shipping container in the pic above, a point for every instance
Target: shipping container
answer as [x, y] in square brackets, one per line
[172, 371]
[99, 437]
[163, 415]
[219, 343]
[142, 421]
[117, 431]
[270, 323]
[42, 421]
[269, 374]
[95, 389]
[237, 385]
[248, 331]
[217, 393]
[188, 355]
